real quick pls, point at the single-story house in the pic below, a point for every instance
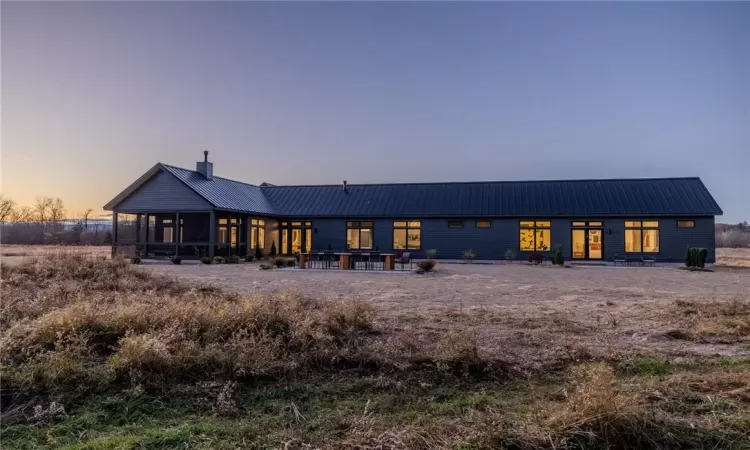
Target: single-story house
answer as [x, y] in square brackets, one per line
[171, 210]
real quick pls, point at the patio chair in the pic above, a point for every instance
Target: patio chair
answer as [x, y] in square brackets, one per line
[330, 260]
[618, 259]
[356, 257]
[373, 261]
[313, 259]
[404, 258]
[649, 261]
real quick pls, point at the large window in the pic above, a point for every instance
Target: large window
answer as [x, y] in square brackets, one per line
[535, 235]
[127, 226]
[257, 233]
[359, 235]
[407, 235]
[223, 231]
[642, 236]
[168, 231]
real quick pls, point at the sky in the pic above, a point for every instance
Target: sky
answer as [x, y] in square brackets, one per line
[95, 93]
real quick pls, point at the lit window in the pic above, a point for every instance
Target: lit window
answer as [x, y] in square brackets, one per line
[595, 224]
[359, 235]
[579, 224]
[407, 235]
[483, 224]
[257, 233]
[535, 235]
[455, 224]
[685, 223]
[642, 236]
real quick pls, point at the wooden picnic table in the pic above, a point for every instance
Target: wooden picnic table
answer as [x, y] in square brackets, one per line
[389, 260]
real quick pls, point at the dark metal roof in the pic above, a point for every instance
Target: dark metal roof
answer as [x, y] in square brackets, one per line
[629, 197]
[224, 193]
[623, 197]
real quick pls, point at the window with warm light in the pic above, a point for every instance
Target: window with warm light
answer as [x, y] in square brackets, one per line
[483, 224]
[642, 236]
[257, 233]
[535, 235]
[359, 235]
[685, 224]
[407, 235]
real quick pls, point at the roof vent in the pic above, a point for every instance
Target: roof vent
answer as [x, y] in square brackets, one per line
[344, 186]
[204, 167]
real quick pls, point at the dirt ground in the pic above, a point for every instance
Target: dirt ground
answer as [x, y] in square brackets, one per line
[528, 314]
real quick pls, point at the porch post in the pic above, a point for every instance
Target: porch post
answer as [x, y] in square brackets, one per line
[137, 234]
[114, 233]
[211, 233]
[248, 227]
[177, 236]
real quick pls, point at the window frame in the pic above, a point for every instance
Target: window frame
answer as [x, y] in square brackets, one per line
[642, 228]
[455, 224]
[407, 226]
[360, 225]
[258, 233]
[535, 226]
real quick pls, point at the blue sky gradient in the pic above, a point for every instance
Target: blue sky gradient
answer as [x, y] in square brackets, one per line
[94, 93]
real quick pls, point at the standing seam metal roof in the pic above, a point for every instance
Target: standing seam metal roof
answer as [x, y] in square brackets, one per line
[621, 197]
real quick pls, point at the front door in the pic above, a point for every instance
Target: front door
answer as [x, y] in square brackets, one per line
[587, 243]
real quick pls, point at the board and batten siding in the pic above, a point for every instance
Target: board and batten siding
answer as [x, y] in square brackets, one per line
[492, 243]
[163, 193]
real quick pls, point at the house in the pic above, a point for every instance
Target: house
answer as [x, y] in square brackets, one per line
[171, 210]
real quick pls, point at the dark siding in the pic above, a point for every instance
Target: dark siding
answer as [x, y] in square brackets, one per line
[162, 193]
[491, 243]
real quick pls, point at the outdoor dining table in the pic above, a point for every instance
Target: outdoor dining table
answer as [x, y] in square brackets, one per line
[344, 259]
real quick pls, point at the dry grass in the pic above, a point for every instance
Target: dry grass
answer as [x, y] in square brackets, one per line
[100, 338]
[714, 321]
[733, 257]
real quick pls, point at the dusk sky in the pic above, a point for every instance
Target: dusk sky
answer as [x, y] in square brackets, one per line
[95, 93]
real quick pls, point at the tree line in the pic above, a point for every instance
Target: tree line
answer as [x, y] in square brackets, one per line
[46, 222]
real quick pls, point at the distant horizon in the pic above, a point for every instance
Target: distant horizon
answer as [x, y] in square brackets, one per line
[298, 93]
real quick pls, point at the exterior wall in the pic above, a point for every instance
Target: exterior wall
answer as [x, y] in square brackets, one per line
[492, 243]
[163, 193]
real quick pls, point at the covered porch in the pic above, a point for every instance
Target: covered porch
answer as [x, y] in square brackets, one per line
[186, 234]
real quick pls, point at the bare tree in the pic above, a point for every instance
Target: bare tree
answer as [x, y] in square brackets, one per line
[7, 209]
[85, 216]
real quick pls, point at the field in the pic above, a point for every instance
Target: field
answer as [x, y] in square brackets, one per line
[113, 355]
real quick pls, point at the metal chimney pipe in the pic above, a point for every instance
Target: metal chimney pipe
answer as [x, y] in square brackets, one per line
[205, 155]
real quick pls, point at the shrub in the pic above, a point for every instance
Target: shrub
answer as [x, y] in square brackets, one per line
[696, 257]
[249, 257]
[279, 262]
[219, 260]
[273, 249]
[536, 258]
[290, 262]
[427, 265]
[265, 267]
[135, 260]
[234, 259]
[175, 260]
[206, 260]
[258, 253]
[510, 255]
[557, 256]
[469, 255]
[430, 254]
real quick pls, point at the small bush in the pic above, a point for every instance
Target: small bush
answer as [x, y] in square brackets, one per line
[290, 262]
[234, 259]
[258, 253]
[273, 249]
[557, 256]
[135, 260]
[176, 260]
[249, 258]
[427, 265]
[219, 260]
[536, 258]
[279, 262]
[696, 257]
[206, 260]
[469, 255]
[265, 267]
[510, 255]
[431, 253]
